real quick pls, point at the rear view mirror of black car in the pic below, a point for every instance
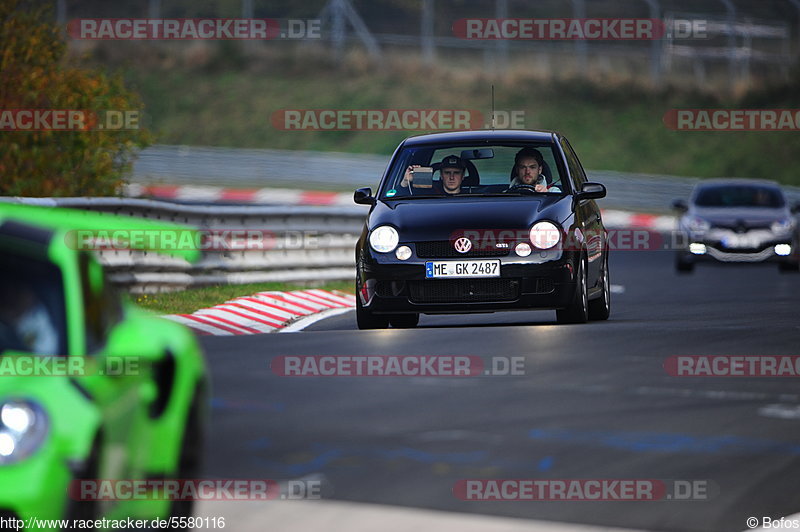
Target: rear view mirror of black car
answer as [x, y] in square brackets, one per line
[591, 190]
[363, 196]
[423, 177]
[484, 153]
[680, 205]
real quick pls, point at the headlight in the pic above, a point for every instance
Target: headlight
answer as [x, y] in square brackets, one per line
[545, 235]
[23, 427]
[697, 224]
[783, 225]
[384, 239]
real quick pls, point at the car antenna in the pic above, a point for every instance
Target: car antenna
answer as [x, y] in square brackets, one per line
[492, 106]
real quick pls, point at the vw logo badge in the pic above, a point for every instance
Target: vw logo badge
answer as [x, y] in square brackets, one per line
[463, 245]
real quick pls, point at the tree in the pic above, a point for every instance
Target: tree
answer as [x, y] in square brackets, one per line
[35, 74]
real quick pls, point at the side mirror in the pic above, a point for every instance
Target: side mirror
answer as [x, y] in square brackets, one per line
[795, 208]
[591, 190]
[363, 196]
[680, 205]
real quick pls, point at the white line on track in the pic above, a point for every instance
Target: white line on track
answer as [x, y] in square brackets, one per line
[302, 323]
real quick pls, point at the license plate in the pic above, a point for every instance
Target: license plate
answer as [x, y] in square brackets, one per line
[462, 268]
[741, 241]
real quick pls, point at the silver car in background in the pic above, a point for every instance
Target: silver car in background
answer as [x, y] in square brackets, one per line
[737, 220]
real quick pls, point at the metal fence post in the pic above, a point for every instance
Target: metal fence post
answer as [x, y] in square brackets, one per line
[501, 45]
[731, 40]
[796, 4]
[247, 8]
[338, 30]
[657, 46]
[154, 9]
[426, 32]
[61, 12]
[581, 46]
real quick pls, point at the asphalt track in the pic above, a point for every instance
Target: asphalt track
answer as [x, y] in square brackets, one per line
[595, 402]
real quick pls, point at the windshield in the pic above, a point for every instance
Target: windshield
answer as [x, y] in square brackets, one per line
[474, 170]
[32, 314]
[739, 196]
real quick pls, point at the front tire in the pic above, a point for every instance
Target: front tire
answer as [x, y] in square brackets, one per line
[600, 309]
[366, 319]
[404, 321]
[578, 309]
[85, 510]
[190, 460]
[683, 266]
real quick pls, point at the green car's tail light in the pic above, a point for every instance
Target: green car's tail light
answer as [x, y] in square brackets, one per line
[23, 428]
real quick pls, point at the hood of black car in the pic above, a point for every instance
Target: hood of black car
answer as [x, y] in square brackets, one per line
[438, 219]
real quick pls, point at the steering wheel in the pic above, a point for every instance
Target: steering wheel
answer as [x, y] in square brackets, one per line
[529, 189]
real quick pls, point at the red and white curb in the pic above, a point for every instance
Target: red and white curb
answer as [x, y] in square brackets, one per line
[267, 312]
[616, 219]
[210, 194]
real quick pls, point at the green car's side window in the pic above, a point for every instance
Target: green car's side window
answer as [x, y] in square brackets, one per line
[102, 309]
[32, 312]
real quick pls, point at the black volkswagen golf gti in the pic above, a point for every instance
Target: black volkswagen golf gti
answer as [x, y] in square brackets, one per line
[482, 221]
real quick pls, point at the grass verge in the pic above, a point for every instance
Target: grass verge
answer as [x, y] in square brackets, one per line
[188, 301]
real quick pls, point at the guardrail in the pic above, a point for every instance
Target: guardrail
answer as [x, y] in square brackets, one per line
[247, 244]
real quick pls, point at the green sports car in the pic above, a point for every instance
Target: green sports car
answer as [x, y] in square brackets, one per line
[91, 386]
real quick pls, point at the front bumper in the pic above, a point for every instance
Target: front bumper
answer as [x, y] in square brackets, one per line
[36, 487]
[544, 280]
[718, 247]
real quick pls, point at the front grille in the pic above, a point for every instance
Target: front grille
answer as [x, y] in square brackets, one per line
[443, 249]
[463, 290]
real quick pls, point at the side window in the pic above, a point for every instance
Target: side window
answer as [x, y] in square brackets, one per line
[101, 304]
[575, 168]
[32, 311]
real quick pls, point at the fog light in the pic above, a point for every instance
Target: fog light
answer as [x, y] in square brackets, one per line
[403, 253]
[523, 249]
[783, 249]
[696, 248]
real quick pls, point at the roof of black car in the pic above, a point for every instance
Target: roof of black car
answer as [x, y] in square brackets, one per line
[482, 135]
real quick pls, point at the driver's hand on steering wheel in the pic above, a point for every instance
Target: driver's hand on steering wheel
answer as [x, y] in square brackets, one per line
[540, 187]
